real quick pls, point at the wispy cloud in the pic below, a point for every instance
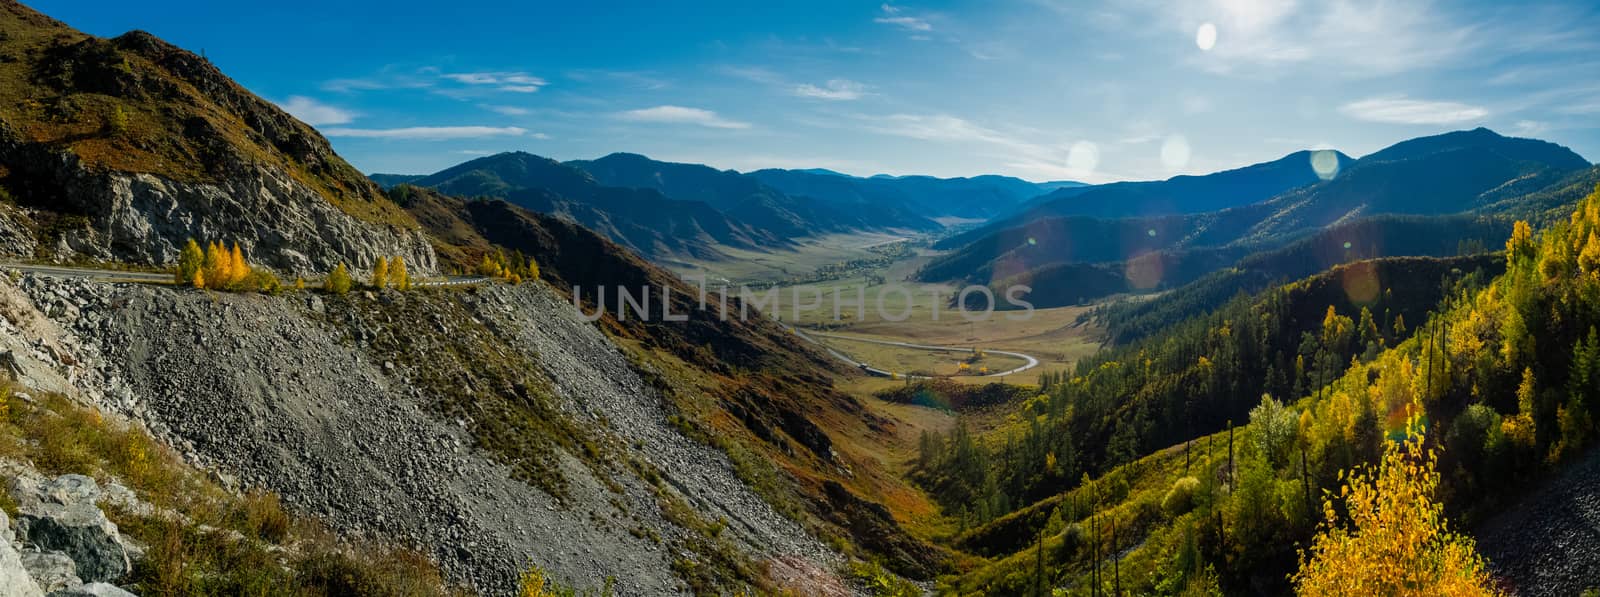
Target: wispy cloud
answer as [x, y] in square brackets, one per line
[517, 82]
[429, 133]
[682, 115]
[1411, 111]
[894, 15]
[834, 89]
[316, 113]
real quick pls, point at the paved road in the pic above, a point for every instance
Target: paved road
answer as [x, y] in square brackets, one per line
[111, 275]
[1030, 362]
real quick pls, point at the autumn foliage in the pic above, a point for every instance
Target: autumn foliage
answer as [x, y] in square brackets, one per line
[1396, 541]
[513, 268]
[219, 268]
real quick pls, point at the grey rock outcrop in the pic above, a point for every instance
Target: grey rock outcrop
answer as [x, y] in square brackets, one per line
[16, 240]
[51, 571]
[278, 221]
[61, 516]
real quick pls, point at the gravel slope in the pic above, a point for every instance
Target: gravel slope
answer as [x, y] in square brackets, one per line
[1548, 543]
[267, 390]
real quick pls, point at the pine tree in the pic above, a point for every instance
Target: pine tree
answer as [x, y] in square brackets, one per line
[398, 278]
[380, 273]
[189, 262]
[338, 281]
[215, 265]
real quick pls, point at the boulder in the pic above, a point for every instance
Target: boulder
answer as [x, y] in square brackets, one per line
[51, 571]
[14, 578]
[61, 515]
[94, 589]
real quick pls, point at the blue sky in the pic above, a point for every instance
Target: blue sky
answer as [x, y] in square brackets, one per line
[1091, 90]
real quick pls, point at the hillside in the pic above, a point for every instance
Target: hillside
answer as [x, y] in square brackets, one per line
[742, 386]
[1495, 383]
[122, 149]
[1367, 238]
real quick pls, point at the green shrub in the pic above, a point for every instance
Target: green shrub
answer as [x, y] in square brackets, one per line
[1180, 498]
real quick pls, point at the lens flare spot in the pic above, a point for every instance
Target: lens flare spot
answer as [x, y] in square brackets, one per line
[1145, 271]
[1175, 153]
[1205, 37]
[1347, 245]
[1151, 232]
[1360, 282]
[1325, 162]
[1083, 158]
[1032, 242]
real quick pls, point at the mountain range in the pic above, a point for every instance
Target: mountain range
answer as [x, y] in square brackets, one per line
[1082, 257]
[672, 211]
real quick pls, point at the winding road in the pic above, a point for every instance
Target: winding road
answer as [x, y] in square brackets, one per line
[1030, 362]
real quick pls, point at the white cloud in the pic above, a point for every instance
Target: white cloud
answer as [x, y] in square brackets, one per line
[434, 133]
[894, 15]
[1410, 111]
[316, 113]
[835, 89]
[517, 82]
[682, 115]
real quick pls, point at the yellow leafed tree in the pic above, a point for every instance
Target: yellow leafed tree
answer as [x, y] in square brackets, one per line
[338, 281]
[1397, 541]
[380, 274]
[189, 262]
[398, 278]
[238, 270]
[215, 265]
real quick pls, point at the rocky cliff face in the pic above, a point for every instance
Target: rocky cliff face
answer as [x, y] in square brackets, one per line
[145, 218]
[308, 396]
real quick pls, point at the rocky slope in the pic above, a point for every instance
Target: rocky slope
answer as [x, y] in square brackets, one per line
[122, 149]
[303, 395]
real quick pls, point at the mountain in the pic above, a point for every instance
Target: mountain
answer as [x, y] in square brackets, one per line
[744, 199]
[1079, 257]
[1449, 173]
[641, 219]
[122, 149]
[1177, 195]
[926, 196]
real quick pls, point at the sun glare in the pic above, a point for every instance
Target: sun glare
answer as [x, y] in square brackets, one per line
[1325, 162]
[1206, 37]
